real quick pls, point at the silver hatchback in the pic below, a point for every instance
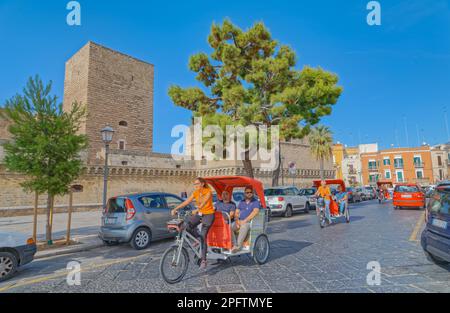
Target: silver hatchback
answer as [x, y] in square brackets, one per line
[138, 219]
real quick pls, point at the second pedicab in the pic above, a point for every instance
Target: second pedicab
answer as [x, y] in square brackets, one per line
[175, 260]
[383, 190]
[335, 214]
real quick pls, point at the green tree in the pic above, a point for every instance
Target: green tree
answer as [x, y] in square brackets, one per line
[321, 142]
[251, 80]
[45, 143]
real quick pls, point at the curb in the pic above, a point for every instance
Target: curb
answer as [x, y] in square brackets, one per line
[64, 251]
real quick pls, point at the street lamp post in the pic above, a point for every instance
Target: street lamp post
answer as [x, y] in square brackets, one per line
[107, 136]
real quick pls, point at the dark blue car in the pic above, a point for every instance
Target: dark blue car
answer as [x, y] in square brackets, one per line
[436, 236]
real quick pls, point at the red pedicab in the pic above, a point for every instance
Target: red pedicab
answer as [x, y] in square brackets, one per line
[334, 206]
[176, 258]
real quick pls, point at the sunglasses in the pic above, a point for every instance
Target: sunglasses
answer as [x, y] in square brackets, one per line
[249, 192]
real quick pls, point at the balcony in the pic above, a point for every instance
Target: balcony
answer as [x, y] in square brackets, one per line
[398, 165]
[373, 168]
[418, 164]
[352, 171]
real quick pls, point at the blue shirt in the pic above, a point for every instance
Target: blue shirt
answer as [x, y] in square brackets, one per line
[225, 207]
[245, 209]
[340, 195]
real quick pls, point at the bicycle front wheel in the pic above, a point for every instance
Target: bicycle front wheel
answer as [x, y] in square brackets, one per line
[172, 267]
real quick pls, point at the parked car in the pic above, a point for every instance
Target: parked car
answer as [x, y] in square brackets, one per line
[16, 250]
[138, 219]
[353, 195]
[435, 238]
[369, 192]
[309, 194]
[286, 201]
[408, 195]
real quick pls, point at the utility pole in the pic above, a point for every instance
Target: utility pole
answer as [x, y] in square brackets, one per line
[418, 135]
[446, 124]
[406, 131]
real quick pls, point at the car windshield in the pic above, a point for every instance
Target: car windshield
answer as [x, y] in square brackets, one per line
[406, 189]
[274, 192]
[440, 201]
[309, 192]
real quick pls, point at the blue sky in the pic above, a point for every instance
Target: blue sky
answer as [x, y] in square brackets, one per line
[394, 73]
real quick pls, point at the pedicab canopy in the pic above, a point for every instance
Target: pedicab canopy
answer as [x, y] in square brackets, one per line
[228, 183]
[384, 183]
[339, 182]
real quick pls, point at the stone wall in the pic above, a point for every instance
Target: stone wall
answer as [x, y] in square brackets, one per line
[125, 180]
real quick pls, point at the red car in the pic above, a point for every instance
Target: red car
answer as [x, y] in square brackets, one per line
[408, 195]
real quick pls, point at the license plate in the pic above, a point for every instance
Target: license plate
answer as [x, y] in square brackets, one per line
[406, 196]
[110, 220]
[439, 223]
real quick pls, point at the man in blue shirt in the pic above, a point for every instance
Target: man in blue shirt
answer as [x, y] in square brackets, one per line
[342, 199]
[227, 206]
[246, 211]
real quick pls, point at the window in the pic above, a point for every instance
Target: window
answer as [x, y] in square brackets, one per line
[121, 144]
[399, 176]
[373, 178]
[440, 201]
[386, 161]
[406, 189]
[419, 174]
[372, 165]
[398, 162]
[387, 174]
[152, 201]
[124, 163]
[123, 123]
[274, 192]
[417, 160]
[439, 159]
[173, 202]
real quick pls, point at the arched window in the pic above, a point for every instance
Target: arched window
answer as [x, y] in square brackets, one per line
[123, 123]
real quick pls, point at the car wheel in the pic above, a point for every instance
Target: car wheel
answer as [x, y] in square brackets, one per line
[8, 265]
[141, 238]
[307, 207]
[288, 212]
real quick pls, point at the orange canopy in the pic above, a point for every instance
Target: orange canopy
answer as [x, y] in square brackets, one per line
[381, 183]
[339, 182]
[228, 183]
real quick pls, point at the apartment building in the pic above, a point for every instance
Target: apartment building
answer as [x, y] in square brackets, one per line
[412, 165]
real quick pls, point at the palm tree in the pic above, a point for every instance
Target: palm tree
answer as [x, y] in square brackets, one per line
[321, 142]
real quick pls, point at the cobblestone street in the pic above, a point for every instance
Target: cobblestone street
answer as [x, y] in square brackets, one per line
[304, 258]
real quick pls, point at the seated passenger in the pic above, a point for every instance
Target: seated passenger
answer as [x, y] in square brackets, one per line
[227, 206]
[246, 211]
[341, 199]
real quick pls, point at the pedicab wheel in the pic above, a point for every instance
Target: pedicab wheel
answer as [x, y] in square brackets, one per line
[261, 249]
[347, 216]
[171, 271]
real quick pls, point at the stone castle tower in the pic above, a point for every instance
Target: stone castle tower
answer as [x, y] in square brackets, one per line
[118, 91]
